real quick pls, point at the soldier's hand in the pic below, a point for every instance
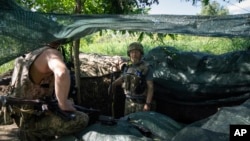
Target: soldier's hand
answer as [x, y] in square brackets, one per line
[67, 106]
[146, 107]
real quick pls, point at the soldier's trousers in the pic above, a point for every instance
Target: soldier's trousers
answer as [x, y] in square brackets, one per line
[131, 106]
[52, 125]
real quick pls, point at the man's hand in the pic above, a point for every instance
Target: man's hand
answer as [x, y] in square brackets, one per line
[67, 106]
[146, 107]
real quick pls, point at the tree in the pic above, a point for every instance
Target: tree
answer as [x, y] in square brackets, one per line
[89, 6]
[206, 2]
[76, 46]
[214, 9]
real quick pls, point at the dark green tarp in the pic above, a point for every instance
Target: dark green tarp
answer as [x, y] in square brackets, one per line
[190, 86]
[163, 128]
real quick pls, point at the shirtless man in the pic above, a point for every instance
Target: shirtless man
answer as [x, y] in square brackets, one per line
[43, 73]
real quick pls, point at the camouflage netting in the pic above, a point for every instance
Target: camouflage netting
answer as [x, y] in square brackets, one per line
[189, 86]
[22, 31]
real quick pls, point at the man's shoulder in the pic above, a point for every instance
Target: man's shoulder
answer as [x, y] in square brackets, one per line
[48, 48]
[40, 50]
[49, 51]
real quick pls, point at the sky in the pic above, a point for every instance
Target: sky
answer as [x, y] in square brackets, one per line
[181, 7]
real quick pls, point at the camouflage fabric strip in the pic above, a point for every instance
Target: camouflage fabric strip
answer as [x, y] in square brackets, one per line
[50, 126]
[132, 107]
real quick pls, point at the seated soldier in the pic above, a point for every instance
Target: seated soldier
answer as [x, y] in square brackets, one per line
[39, 74]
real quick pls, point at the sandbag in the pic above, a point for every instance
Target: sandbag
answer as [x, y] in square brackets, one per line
[200, 68]
[200, 77]
[217, 126]
[161, 128]
[190, 86]
[213, 128]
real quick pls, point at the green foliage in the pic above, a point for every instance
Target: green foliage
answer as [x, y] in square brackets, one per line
[213, 45]
[115, 43]
[89, 6]
[49, 6]
[213, 9]
[6, 67]
[206, 2]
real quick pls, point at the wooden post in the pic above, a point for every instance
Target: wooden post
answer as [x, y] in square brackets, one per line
[76, 46]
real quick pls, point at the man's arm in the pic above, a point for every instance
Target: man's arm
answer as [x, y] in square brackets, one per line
[62, 79]
[150, 92]
[117, 82]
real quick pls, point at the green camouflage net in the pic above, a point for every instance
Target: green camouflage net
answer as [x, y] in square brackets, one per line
[182, 87]
[22, 31]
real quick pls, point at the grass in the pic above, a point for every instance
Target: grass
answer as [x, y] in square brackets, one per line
[115, 43]
[6, 67]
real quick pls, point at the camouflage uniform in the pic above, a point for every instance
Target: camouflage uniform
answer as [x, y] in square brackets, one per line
[134, 86]
[34, 127]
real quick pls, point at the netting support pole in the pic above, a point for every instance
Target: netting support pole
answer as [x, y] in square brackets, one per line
[77, 69]
[76, 57]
